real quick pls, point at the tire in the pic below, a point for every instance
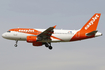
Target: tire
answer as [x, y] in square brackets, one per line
[46, 45]
[15, 45]
[50, 47]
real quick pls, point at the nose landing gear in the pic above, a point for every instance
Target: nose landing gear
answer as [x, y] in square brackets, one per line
[16, 43]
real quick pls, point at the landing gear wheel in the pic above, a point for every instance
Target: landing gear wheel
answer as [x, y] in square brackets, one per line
[50, 47]
[46, 45]
[15, 45]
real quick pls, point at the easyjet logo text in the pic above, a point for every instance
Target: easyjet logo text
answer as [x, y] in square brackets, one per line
[91, 22]
[26, 30]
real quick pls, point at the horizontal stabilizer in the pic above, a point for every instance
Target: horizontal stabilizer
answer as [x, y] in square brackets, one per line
[91, 33]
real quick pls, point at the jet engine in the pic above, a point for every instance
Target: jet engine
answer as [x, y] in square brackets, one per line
[33, 40]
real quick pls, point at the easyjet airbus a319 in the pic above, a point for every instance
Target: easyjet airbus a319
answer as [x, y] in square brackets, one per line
[39, 37]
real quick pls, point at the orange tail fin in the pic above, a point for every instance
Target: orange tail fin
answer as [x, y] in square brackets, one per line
[91, 25]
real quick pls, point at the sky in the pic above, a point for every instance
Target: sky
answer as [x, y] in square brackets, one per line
[66, 14]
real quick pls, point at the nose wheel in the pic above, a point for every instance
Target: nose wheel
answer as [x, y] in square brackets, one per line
[16, 43]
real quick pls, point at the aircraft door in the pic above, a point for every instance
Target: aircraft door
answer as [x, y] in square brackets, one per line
[78, 35]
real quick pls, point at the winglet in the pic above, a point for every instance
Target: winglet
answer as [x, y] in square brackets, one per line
[55, 26]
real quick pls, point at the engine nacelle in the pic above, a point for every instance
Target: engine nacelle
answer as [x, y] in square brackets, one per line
[37, 44]
[31, 39]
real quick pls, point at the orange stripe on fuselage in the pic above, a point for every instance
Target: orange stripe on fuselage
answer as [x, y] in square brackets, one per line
[30, 31]
[56, 38]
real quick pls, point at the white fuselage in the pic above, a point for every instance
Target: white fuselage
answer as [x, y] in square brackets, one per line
[64, 35]
[58, 35]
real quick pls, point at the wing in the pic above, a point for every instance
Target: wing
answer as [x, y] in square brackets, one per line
[45, 35]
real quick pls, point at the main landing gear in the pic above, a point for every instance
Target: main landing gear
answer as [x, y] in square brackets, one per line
[48, 45]
[16, 43]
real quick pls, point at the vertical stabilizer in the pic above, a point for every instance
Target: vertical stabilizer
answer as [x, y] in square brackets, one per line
[89, 29]
[91, 25]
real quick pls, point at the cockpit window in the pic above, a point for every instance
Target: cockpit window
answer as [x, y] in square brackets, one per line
[8, 31]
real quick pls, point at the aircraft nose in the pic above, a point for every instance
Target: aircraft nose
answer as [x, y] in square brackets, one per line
[3, 35]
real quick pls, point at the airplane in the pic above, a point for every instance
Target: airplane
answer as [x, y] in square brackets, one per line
[39, 37]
